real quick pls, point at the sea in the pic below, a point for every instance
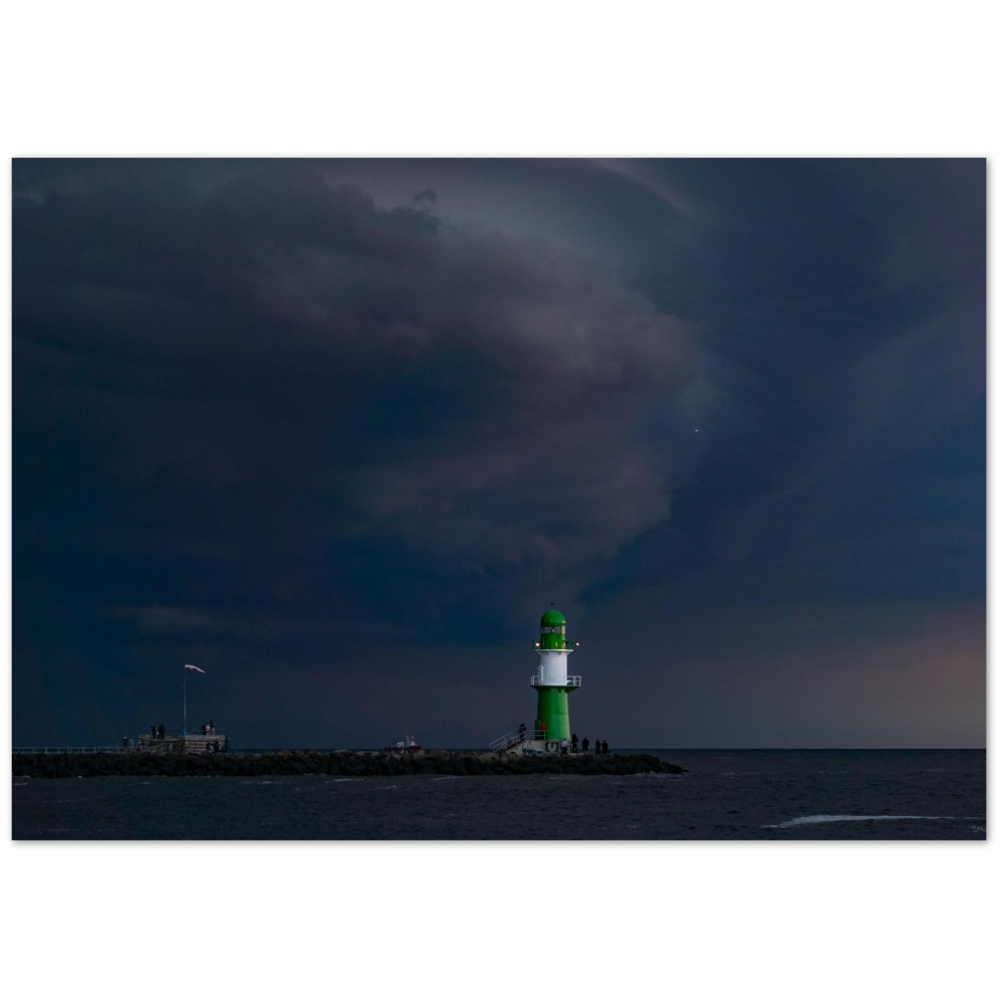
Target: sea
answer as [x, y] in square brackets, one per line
[783, 795]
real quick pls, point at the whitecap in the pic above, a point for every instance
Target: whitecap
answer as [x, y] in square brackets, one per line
[803, 820]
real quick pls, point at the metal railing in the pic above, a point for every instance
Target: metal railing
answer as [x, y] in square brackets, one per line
[140, 744]
[515, 738]
[572, 681]
[117, 749]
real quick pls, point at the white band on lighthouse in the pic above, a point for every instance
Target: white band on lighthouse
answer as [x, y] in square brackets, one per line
[552, 666]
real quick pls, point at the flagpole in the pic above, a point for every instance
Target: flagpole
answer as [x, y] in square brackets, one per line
[187, 667]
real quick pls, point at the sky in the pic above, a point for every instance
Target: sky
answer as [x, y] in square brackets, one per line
[339, 431]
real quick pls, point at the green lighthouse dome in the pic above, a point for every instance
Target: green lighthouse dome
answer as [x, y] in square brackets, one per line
[553, 630]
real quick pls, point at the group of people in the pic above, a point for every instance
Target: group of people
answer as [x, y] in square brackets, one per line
[572, 745]
[600, 746]
[208, 728]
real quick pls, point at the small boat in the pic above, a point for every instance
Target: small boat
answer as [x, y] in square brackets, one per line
[407, 744]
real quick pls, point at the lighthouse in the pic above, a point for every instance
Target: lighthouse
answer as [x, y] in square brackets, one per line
[553, 682]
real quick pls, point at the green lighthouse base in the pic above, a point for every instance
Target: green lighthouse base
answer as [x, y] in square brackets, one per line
[553, 710]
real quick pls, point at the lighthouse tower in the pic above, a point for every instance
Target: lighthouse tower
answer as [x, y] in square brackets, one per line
[552, 682]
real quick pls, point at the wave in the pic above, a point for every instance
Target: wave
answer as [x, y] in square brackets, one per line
[802, 820]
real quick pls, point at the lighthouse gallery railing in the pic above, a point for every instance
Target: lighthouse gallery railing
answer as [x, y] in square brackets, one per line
[572, 681]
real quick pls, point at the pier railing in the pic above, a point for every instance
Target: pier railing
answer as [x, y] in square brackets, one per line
[144, 744]
[515, 737]
[115, 749]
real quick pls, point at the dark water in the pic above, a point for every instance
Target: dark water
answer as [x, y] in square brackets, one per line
[727, 795]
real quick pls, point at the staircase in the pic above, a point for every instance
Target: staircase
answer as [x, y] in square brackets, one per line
[516, 738]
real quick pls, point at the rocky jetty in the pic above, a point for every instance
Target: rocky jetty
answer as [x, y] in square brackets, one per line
[354, 764]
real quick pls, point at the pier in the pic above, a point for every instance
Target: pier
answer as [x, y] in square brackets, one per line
[349, 763]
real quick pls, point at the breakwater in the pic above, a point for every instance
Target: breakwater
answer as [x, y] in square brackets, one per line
[359, 764]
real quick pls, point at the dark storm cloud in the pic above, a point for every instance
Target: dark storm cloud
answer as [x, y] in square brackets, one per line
[842, 355]
[297, 363]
